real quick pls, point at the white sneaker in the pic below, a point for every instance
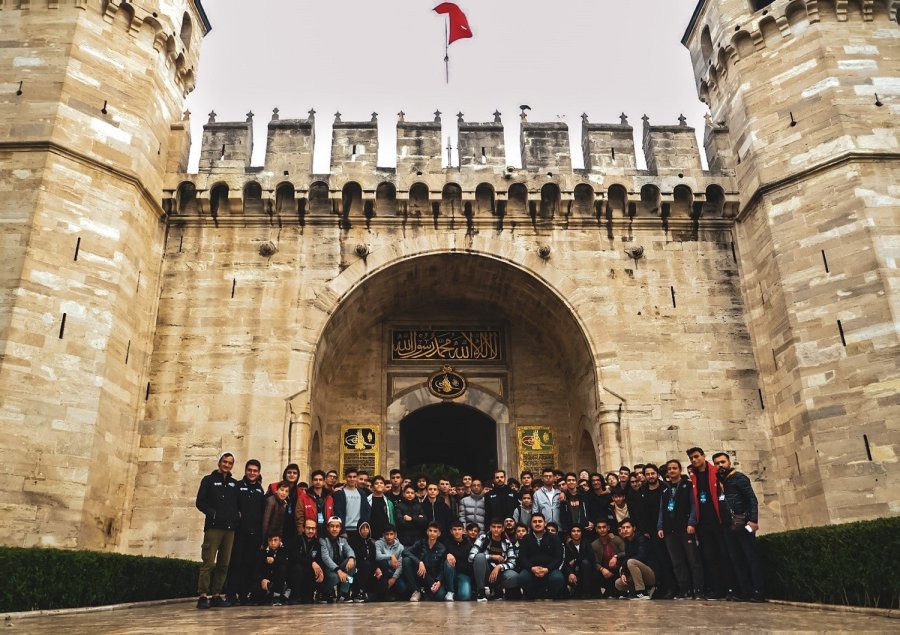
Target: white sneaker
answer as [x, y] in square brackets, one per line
[416, 596]
[448, 597]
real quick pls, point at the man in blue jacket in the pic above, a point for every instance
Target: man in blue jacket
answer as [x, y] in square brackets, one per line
[740, 537]
[351, 504]
[217, 498]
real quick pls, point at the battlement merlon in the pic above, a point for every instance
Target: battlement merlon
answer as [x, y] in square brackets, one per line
[227, 146]
[607, 147]
[545, 147]
[419, 147]
[482, 145]
[354, 147]
[671, 149]
[290, 144]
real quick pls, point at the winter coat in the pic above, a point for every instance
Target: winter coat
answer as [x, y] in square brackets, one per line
[483, 543]
[546, 553]
[438, 513]
[501, 502]
[547, 503]
[677, 507]
[274, 516]
[409, 531]
[217, 498]
[307, 508]
[333, 554]
[432, 557]
[471, 510]
[251, 500]
[340, 505]
[739, 495]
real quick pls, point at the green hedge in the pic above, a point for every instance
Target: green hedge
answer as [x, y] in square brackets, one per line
[54, 578]
[853, 564]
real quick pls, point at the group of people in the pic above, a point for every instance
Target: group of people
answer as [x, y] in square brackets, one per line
[649, 531]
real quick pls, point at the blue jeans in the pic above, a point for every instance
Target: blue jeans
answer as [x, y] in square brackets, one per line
[387, 572]
[459, 584]
[331, 580]
[550, 585]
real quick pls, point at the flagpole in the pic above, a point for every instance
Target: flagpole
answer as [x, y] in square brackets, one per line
[447, 51]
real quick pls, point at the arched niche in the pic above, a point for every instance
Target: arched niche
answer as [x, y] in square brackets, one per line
[186, 198]
[518, 199]
[419, 200]
[650, 201]
[550, 201]
[319, 203]
[484, 199]
[253, 203]
[617, 200]
[386, 199]
[285, 198]
[218, 199]
[451, 200]
[583, 205]
[682, 201]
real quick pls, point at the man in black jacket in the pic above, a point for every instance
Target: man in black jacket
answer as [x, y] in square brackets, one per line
[677, 527]
[501, 501]
[540, 560]
[248, 538]
[740, 537]
[305, 570]
[636, 574]
[217, 498]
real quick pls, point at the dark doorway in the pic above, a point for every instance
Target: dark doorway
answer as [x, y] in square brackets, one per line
[451, 435]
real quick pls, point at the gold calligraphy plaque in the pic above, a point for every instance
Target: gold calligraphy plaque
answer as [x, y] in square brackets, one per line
[477, 345]
[537, 448]
[360, 446]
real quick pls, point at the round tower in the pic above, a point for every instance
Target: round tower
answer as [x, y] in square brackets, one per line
[805, 92]
[89, 96]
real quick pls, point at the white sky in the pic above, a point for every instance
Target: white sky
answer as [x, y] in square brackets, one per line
[562, 58]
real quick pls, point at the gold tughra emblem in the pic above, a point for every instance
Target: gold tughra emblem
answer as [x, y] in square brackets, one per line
[447, 384]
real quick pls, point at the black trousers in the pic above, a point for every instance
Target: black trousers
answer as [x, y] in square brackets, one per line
[240, 581]
[364, 580]
[717, 569]
[585, 572]
[302, 582]
[742, 548]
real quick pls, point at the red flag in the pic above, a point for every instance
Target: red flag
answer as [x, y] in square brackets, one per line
[459, 25]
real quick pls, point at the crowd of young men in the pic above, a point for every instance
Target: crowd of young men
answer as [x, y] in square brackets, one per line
[634, 534]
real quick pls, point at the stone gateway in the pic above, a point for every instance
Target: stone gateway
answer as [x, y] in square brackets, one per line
[151, 318]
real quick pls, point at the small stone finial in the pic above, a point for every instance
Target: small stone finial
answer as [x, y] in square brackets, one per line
[707, 119]
[459, 117]
[682, 120]
[524, 114]
[250, 117]
[311, 114]
[497, 114]
[212, 116]
[646, 120]
[437, 116]
[275, 114]
[374, 116]
[337, 117]
[186, 115]
[623, 119]
[584, 118]
[401, 117]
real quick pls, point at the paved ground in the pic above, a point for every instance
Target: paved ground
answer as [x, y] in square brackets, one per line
[460, 617]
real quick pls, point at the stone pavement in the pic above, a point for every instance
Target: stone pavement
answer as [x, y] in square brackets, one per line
[464, 617]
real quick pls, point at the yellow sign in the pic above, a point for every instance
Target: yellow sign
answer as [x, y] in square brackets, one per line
[537, 448]
[472, 346]
[360, 446]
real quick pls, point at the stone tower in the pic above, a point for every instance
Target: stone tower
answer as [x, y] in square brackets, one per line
[803, 98]
[91, 98]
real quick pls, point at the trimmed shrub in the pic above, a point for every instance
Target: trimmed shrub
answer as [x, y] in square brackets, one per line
[54, 578]
[853, 564]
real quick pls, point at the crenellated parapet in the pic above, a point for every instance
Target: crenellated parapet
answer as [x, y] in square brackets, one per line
[482, 190]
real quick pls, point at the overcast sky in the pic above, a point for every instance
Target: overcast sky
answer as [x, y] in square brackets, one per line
[562, 58]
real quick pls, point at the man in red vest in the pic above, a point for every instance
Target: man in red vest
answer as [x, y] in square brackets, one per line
[710, 530]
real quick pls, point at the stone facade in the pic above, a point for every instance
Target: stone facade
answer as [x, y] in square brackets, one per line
[249, 308]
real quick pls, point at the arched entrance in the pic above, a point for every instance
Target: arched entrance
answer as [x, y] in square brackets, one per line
[542, 372]
[452, 435]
